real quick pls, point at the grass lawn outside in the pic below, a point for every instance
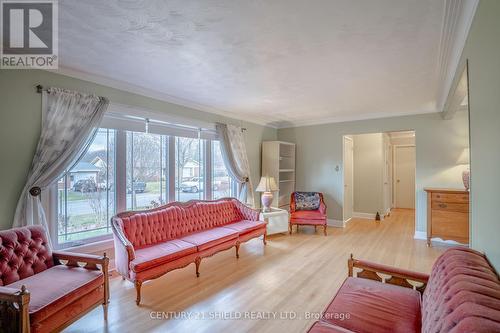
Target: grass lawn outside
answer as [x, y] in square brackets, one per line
[78, 226]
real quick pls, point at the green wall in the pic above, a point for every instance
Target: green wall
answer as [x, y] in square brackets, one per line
[482, 50]
[439, 144]
[20, 116]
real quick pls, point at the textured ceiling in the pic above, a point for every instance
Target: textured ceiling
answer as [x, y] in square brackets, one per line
[282, 61]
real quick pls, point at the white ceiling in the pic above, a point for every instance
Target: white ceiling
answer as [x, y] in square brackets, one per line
[280, 62]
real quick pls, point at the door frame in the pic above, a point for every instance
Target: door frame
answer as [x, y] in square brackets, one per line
[344, 138]
[394, 191]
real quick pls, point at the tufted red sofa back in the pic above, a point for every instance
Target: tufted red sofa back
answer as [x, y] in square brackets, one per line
[23, 253]
[462, 295]
[176, 220]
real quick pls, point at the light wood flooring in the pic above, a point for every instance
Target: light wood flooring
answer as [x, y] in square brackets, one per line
[291, 276]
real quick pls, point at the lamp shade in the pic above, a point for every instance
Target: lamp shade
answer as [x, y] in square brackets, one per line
[267, 184]
[464, 157]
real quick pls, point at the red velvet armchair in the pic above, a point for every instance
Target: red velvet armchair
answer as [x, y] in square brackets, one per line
[43, 290]
[299, 216]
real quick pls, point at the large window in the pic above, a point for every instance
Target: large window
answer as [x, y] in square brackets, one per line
[86, 196]
[146, 170]
[134, 170]
[189, 169]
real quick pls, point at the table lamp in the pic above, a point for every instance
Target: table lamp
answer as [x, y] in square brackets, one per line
[268, 186]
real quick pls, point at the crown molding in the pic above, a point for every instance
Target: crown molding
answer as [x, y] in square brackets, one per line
[457, 20]
[138, 90]
[343, 119]
[402, 134]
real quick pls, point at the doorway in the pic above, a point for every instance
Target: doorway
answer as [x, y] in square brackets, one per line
[379, 174]
[348, 178]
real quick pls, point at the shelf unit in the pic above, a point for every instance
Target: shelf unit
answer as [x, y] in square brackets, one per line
[278, 161]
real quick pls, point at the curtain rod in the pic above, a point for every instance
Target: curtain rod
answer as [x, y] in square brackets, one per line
[39, 89]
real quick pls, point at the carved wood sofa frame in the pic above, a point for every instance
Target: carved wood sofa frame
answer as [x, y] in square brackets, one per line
[396, 276]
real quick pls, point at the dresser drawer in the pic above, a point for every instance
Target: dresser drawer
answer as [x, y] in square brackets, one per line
[451, 206]
[450, 225]
[450, 197]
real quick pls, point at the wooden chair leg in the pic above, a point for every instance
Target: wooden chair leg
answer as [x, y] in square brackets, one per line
[324, 229]
[197, 262]
[290, 228]
[314, 229]
[138, 285]
[264, 239]
[105, 311]
[237, 246]
[297, 228]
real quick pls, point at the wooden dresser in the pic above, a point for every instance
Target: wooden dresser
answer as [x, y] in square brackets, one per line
[447, 214]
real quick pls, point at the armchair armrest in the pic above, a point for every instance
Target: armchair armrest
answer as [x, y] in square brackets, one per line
[398, 276]
[73, 258]
[322, 206]
[14, 316]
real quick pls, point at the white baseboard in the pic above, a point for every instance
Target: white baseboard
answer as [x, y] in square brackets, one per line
[335, 223]
[420, 235]
[359, 215]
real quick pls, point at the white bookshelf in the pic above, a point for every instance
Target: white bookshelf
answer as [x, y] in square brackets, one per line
[278, 161]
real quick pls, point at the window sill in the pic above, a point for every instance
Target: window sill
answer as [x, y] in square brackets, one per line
[98, 246]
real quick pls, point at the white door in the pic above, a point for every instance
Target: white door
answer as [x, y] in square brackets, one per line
[348, 178]
[404, 175]
[387, 186]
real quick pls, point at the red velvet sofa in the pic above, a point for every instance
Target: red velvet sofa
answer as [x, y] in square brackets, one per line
[307, 217]
[461, 295]
[153, 242]
[43, 290]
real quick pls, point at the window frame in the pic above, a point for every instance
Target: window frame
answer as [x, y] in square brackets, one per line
[50, 196]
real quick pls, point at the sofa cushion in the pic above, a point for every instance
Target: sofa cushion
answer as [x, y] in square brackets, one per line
[161, 253]
[245, 226]
[363, 305]
[57, 287]
[463, 292]
[208, 238]
[308, 215]
[23, 252]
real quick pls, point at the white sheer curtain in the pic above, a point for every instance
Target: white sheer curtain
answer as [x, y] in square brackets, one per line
[69, 123]
[234, 154]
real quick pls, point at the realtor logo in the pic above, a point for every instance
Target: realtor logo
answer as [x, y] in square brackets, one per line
[29, 34]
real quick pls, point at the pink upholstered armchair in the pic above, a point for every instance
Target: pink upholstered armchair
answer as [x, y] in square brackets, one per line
[43, 290]
[307, 208]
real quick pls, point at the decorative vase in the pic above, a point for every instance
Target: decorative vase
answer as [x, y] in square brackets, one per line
[266, 199]
[466, 178]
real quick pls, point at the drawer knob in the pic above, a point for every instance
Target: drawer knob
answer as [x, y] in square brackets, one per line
[442, 205]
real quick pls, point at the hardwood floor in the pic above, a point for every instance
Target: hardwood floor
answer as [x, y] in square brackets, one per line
[291, 276]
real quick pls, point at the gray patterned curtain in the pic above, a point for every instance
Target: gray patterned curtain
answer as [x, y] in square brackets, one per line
[69, 123]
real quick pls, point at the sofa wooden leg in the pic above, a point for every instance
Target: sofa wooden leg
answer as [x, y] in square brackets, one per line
[264, 239]
[324, 229]
[138, 285]
[297, 228]
[314, 229]
[105, 311]
[290, 228]
[197, 262]
[237, 246]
